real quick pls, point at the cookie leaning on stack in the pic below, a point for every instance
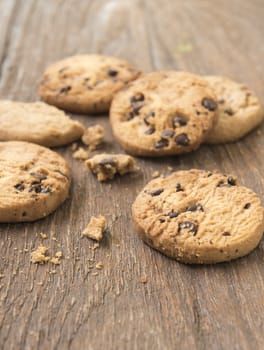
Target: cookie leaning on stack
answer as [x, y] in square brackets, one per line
[239, 110]
[34, 181]
[163, 113]
[85, 83]
[199, 217]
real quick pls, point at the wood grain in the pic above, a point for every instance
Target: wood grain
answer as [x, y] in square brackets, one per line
[180, 307]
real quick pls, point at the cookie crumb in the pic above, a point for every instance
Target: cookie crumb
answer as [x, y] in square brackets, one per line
[43, 235]
[99, 265]
[95, 274]
[106, 166]
[95, 228]
[170, 168]
[93, 136]
[74, 146]
[155, 174]
[143, 279]
[259, 133]
[81, 154]
[57, 259]
[39, 256]
[2, 276]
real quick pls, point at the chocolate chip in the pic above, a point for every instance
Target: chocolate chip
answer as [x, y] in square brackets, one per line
[112, 72]
[148, 116]
[179, 121]
[195, 207]
[108, 161]
[209, 104]
[136, 107]
[182, 140]
[24, 213]
[197, 112]
[65, 89]
[167, 133]
[221, 101]
[231, 181]
[130, 116]
[20, 187]
[45, 190]
[37, 188]
[179, 188]
[247, 206]
[162, 143]
[229, 111]
[150, 131]
[226, 234]
[137, 97]
[161, 220]
[156, 192]
[172, 214]
[209, 174]
[189, 226]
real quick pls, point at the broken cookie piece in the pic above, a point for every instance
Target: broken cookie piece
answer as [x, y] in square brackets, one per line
[93, 136]
[106, 166]
[39, 256]
[95, 228]
[81, 153]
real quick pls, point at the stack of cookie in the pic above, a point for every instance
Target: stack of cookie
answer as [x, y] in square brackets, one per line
[187, 215]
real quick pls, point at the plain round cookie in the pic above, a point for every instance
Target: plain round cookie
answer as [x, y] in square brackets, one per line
[34, 181]
[163, 113]
[239, 110]
[199, 217]
[37, 122]
[85, 83]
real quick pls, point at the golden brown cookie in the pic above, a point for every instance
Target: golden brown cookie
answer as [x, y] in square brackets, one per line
[34, 181]
[239, 110]
[85, 83]
[163, 113]
[37, 122]
[199, 217]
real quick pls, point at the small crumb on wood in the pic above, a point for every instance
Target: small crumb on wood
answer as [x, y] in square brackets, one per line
[99, 265]
[43, 235]
[95, 274]
[74, 146]
[143, 279]
[170, 168]
[57, 259]
[95, 228]
[81, 154]
[93, 137]
[259, 133]
[155, 174]
[39, 256]
[2, 276]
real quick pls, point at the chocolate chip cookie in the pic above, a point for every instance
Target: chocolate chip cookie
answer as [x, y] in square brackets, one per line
[85, 83]
[199, 217]
[239, 110]
[38, 123]
[34, 181]
[163, 113]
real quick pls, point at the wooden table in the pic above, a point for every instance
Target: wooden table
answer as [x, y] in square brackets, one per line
[180, 307]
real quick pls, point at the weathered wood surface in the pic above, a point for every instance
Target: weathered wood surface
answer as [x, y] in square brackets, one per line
[180, 307]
